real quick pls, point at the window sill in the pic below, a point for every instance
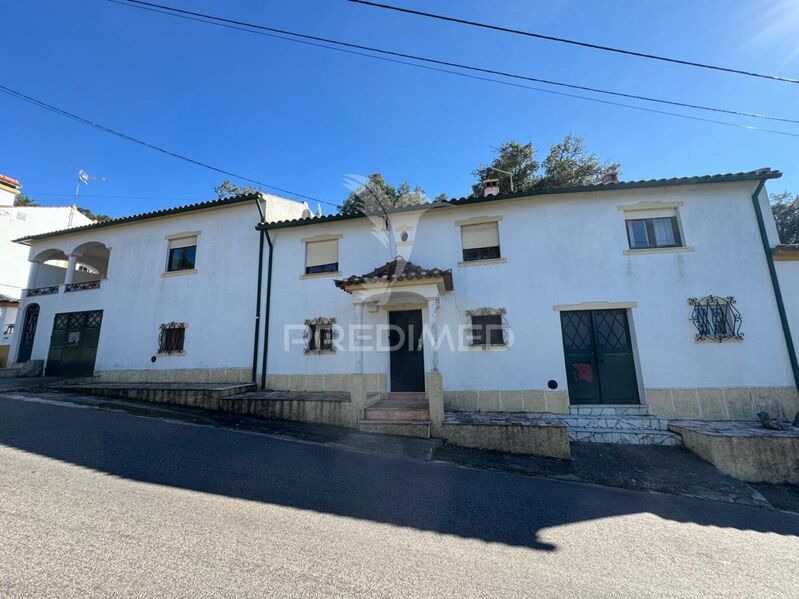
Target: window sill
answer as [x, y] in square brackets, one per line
[503, 347]
[677, 250]
[485, 262]
[717, 342]
[320, 352]
[170, 354]
[321, 275]
[178, 273]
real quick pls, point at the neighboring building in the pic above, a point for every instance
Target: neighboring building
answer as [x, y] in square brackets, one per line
[16, 222]
[166, 293]
[652, 292]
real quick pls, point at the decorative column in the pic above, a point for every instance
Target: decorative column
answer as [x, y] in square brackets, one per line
[72, 264]
[432, 324]
[359, 340]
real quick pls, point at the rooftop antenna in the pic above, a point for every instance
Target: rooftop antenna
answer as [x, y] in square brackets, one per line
[83, 177]
[510, 175]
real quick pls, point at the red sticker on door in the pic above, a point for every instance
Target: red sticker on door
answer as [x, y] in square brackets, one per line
[584, 372]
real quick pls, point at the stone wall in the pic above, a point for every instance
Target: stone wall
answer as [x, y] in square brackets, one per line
[375, 382]
[176, 375]
[531, 400]
[722, 403]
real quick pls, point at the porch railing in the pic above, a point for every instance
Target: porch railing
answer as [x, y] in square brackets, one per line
[36, 291]
[82, 286]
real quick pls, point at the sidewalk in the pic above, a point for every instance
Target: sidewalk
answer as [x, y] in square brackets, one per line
[672, 470]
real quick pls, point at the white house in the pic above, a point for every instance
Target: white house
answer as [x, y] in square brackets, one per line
[16, 222]
[670, 297]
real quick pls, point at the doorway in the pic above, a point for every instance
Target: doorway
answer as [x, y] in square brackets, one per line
[28, 333]
[600, 367]
[73, 344]
[407, 351]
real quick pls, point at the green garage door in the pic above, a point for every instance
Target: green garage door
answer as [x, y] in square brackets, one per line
[73, 344]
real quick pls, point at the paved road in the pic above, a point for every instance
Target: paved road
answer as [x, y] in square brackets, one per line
[95, 503]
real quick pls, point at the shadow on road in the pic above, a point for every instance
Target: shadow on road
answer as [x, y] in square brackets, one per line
[490, 506]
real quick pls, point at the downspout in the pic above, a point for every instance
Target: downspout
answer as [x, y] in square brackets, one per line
[268, 305]
[775, 283]
[258, 293]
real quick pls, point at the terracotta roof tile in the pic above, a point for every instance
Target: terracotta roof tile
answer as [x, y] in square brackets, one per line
[397, 269]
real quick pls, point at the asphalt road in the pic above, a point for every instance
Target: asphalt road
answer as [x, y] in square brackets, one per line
[95, 502]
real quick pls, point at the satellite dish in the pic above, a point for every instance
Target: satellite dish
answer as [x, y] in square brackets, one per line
[306, 213]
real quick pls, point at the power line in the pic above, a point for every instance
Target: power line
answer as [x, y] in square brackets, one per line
[212, 19]
[461, 74]
[562, 40]
[125, 136]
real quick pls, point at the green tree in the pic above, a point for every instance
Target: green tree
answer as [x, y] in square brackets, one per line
[375, 194]
[567, 163]
[23, 200]
[98, 218]
[786, 214]
[227, 189]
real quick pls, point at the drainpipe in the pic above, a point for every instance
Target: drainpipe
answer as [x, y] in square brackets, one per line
[268, 305]
[775, 283]
[258, 292]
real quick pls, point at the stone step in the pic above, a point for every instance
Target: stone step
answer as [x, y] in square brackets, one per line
[609, 410]
[628, 422]
[407, 396]
[396, 409]
[171, 393]
[409, 428]
[610, 435]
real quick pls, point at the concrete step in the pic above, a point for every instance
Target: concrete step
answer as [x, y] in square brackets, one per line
[396, 409]
[609, 410]
[611, 435]
[407, 395]
[616, 422]
[171, 393]
[408, 428]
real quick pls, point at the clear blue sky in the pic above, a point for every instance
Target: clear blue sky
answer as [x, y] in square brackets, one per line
[302, 118]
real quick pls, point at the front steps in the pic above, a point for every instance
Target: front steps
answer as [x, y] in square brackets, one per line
[403, 413]
[617, 424]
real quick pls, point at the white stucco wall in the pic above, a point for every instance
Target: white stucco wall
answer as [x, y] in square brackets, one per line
[788, 274]
[561, 249]
[17, 222]
[217, 300]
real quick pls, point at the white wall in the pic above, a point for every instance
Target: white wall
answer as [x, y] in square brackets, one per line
[562, 249]
[22, 221]
[217, 301]
[788, 274]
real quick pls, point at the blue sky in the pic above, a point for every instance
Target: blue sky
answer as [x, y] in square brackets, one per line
[303, 118]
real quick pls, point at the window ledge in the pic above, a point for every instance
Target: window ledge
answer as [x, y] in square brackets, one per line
[320, 352]
[717, 342]
[485, 262]
[166, 354]
[320, 275]
[503, 347]
[677, 250]
[178, 273]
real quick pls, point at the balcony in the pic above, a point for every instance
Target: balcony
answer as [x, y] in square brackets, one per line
[80, 269]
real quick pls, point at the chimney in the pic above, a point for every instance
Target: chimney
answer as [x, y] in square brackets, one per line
[490, 187]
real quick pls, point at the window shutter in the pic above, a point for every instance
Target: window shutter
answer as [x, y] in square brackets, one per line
[183, 242]
[484, 235]
[321, 252]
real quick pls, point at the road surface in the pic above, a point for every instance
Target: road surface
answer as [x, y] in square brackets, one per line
[96, 502]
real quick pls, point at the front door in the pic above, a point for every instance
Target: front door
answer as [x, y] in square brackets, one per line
[73, 344]
[599, 357]
[28, 333]
[407, 355]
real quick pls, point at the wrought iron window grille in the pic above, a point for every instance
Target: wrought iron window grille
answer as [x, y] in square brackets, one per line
[171, 338]
[9, 329]
[716, 318]
[489, 328]
[319, 335]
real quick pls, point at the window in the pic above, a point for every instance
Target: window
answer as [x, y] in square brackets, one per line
[480, 241]
[171, 339]
[653, 229]
[319, 334]
[181, 254]
[487, 326]
[716, 318]
[321, 256]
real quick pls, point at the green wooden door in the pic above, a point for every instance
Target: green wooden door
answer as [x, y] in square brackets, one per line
[600, 367]
[73, 344]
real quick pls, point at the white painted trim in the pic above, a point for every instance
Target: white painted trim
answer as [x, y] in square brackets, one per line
[182, 235]
[674, 250]
[178, 273]
[323, 237]
[485, 262]
[320, 275]
[478, 220]
[594, 306]
[648, 206]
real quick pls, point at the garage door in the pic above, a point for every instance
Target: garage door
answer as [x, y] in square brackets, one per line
[73, 344]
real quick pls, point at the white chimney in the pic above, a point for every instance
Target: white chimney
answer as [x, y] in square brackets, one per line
[490, 187]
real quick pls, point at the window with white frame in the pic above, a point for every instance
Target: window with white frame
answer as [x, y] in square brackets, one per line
[319, 335]
[480, 241]
[651, 229]
[487, 327]
[321, 256]
[182, 253]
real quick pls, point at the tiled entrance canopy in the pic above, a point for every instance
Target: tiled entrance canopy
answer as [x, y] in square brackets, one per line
[398, 270]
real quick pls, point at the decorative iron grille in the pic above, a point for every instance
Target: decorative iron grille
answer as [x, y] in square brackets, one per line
[41, 291]
[488, 327]
[716, 318]
[171, 338]
[319, 335]
[82, 286]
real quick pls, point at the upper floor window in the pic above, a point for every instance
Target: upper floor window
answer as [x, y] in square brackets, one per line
[480, 241]
[321, 256]
[182, 252]
[650, 229]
